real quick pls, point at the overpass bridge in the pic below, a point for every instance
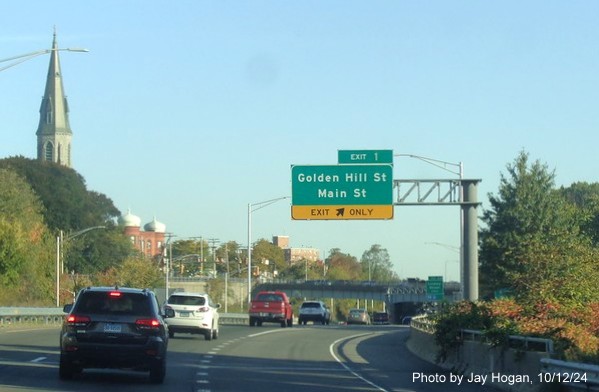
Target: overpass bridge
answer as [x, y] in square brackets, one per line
[390, 293]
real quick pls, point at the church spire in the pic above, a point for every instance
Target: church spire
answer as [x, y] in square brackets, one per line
[54, 131]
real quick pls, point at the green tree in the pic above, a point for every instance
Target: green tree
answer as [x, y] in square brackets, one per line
[266, 250]
[585, 197]
[532, 242]
[341, 266]
[136, 272]
[26, 247]
[377, 266]
[68, 205]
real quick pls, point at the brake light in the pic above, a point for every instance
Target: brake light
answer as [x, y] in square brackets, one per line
[115, 294]
[147, 323]
[203, 309]
[77, 320]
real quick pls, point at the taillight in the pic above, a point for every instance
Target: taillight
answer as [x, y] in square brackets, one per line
[115, 294]
[147, 323]
[77, 320]
[203, 309]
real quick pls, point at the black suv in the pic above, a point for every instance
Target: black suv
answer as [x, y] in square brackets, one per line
[113, 327]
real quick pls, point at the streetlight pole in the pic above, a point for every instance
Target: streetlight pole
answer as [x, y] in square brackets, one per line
[460, 172]
[28, 56]
[251, 208]
[59, 262]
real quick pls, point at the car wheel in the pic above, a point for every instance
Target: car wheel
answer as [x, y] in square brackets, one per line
[208, 334]
[158, 371]
[215, 334]
[290, 322]
[283, 323]
[171, 334]
[65, 369]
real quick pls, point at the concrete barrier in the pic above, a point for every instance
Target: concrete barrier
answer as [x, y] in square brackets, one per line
[506, 368]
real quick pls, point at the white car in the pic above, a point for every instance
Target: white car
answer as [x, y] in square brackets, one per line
[315, 311]
[194, 313]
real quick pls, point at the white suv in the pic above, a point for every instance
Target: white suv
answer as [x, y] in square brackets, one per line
[194, 313]
[315, 311]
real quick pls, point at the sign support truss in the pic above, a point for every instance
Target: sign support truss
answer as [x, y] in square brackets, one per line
[449, 192]
[423, 192]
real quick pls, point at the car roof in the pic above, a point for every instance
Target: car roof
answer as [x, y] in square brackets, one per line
[116, 288]
[186, 294]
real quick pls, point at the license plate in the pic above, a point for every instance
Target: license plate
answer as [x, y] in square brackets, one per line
[113, 328]
[264, 314]
[184, 314]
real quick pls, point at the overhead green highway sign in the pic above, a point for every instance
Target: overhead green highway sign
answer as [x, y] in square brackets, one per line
[342, 192]
[364, 156]
[434, 288]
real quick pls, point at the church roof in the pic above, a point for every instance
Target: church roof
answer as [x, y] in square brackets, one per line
[54, 108]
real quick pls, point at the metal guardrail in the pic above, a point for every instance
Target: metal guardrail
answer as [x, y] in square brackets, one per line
[13, 315]
[573, 375]
[422, 323]
[527, 343]
[10, 316]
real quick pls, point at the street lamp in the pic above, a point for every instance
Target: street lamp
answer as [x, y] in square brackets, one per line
[59, 263]
[28, 56]
[251, 208]
[460, 172]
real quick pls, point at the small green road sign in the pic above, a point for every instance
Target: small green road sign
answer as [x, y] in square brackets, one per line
[364, 156]
[434, 288]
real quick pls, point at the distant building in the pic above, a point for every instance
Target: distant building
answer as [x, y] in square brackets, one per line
[150, 240]
[293, 255]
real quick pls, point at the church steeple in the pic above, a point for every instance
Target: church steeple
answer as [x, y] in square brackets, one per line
[54, 131]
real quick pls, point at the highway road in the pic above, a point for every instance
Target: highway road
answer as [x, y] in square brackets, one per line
[269, 358]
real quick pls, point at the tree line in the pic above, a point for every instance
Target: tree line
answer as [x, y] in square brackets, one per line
[42, 201]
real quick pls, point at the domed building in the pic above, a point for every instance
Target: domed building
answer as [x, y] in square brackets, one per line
[150, 240]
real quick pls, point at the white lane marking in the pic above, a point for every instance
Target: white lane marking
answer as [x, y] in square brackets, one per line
[272, 331]
[331, 350]
[38, 359]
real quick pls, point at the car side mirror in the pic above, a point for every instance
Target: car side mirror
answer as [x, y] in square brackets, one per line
[169, 313]
[67, 308]
[217, 306]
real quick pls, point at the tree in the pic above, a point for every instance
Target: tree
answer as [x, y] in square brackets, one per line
[585, 197]
[342, 266]
[532, 242]
[136, 272]
[377, 266]
[266, 250]
[26, 247]
[68, 205]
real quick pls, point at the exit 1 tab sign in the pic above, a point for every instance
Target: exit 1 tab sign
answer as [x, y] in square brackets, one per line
[357, 157]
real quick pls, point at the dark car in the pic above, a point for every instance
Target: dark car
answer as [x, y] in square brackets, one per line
[116, 328]
[380, 318]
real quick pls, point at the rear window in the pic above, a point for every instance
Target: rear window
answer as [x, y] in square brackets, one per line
[186, 300]
[105, 303]
[270, 297]
[310, 305]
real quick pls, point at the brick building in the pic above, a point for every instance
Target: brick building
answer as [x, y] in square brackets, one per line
[150, 240]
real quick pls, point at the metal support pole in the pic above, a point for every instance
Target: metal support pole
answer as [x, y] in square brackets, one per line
[57, 272]
[470, 235]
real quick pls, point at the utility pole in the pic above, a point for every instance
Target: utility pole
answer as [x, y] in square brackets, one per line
[213, 242]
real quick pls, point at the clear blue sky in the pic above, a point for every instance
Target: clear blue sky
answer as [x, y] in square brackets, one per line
[190, 110]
